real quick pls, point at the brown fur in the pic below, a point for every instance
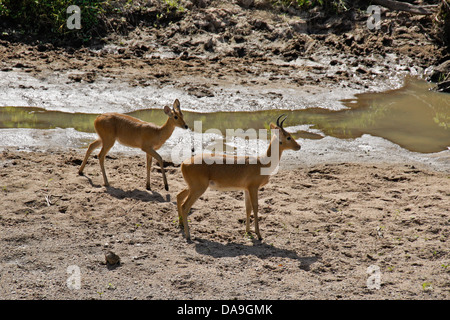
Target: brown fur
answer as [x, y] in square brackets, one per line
[200, 174]
[134, 133]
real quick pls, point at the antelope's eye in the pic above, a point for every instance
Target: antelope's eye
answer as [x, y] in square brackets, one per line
[288, 138]
[176, 117]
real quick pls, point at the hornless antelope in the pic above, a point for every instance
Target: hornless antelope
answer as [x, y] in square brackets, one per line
[134, 133]
[201, 173]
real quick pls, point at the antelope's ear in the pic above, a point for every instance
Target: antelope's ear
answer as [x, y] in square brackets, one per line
[176, 105]
[168, 111]
[273, 126]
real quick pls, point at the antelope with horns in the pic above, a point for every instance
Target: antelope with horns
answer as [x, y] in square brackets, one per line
[134, 133]
[246, 175]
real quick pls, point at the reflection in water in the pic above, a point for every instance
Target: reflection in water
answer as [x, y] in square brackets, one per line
[413, 117]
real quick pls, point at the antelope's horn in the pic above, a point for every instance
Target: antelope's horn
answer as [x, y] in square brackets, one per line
[282, 121]
[278, 121]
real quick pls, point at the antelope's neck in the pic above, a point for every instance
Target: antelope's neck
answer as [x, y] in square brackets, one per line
[274, 147]
[271, 159]
[167, 129]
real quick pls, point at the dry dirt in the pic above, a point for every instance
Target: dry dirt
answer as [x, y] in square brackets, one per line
[323, 226]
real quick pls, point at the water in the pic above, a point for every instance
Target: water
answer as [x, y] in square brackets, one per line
[413, 117]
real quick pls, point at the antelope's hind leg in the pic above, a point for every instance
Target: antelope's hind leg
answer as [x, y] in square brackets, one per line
[192, 196]
[181, 197]
[248, 209]
[94, 145]
[101, 158]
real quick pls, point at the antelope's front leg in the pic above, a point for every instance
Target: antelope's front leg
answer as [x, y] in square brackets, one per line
[149, 168]
[248, 209]
[158, 158]
[254, 201]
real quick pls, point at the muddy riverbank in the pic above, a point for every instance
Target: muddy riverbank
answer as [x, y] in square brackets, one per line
[223, 57]
[219, 57]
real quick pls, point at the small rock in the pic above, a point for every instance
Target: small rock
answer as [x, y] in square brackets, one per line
[112, 258]
[209, 45]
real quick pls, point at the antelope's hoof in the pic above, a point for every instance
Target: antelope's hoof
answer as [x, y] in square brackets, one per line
[166, 187]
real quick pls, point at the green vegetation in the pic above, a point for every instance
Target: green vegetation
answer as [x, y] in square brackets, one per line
[426, 286]
[49, 17]
[174, 5]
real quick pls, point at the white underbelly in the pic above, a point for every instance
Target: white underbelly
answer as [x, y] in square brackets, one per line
[131, 144]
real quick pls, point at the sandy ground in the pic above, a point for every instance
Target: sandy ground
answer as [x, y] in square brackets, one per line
[323, 226]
